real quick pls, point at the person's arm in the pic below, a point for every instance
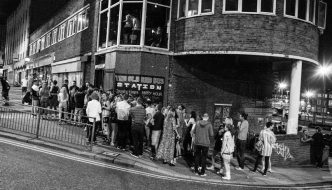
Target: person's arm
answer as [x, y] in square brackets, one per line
[192, 131]
[99, 108]
[224, 143]
[210, 130]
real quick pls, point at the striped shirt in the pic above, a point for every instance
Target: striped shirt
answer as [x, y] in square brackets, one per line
[137, 114]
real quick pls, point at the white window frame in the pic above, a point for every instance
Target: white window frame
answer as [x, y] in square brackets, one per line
[48, 40]
[323, 28]
[42, 43]
[259, 8]
[54, 36]
[199, 10]
[297, 11]
[30, 49]
[70, 27]
[79, 22]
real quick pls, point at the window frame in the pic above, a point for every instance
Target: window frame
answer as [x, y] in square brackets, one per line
[307, 19]
[199, 10]
[54, 36]
[323, 28]
[258, 12]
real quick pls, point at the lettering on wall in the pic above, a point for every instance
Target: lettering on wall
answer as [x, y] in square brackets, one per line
[283, 150]
[146, 86]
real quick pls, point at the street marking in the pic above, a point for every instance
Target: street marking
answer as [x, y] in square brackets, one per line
[131, 171]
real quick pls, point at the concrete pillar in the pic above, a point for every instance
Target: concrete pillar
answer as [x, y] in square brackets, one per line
[294, 100]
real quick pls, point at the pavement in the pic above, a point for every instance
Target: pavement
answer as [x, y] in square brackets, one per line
[301, 176]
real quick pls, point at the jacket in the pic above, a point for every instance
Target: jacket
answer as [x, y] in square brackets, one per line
[268, 138]
[203, 131]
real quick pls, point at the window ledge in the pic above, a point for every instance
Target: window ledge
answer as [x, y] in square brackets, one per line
[295, 18]
[204, 14]
[134, 48]
[250, 13]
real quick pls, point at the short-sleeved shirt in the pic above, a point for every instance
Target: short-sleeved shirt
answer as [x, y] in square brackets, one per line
[138, 114]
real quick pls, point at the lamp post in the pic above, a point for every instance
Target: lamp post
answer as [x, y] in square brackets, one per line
[308, 94]
[323, 71]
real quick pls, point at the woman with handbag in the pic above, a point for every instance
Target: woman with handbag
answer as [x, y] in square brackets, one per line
[264, 147]
[227, 151]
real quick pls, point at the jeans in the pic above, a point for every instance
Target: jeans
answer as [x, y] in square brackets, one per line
[241, 146]
[123, 133]
[187, 141]
[78, 114]
[90, 131]
[227, 164]
[258, 160]
[62, 108]
[137, 132]
[114, 132]
[200, 157]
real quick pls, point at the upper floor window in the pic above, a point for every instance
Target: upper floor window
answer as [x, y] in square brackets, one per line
[54, 36]
[48, 40]
[62, 32]
[250, 6]
[189, 8]
[322, 8]
[301, 9]
[42, 43]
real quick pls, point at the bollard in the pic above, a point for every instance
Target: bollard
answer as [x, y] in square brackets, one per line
[93, 130]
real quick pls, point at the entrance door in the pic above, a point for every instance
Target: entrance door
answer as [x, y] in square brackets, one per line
[99, 79]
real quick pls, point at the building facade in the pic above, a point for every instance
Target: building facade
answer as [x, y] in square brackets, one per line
[2, 45]
[17, 40]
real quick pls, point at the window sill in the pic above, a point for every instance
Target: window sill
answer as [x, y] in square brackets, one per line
[204, 14]
[249, 13]
[295, 18]
[133, 48]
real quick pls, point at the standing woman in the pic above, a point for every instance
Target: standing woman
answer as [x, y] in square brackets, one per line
[106, 108]
[63, 102]
[266, 140]
[113, 119]
[227, 151]
[167, 145]
[54, 91]
[187, 141]
[44, 94]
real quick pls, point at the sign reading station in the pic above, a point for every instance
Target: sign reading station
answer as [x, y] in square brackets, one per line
[138, 85]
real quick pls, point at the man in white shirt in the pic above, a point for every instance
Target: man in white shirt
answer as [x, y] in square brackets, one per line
[93, 111]
[122, 110]
[24, 85]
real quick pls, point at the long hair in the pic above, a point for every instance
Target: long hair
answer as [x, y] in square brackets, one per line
[193, 115]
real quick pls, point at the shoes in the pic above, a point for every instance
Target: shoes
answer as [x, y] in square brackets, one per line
[239, 169]
[220, 172]
[226, 178]
[202, 175]
[269, 171]
[112, 144]
[196, 173]
[210, 168]
[171, 164]
[264, 174]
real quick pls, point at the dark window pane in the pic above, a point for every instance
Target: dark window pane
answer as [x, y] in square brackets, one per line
[102, 30]
[131, 23]
[312, 10]
[163, 2]
[322, 15]
[182, 8]
[249, 5]
[206, 6]
[290, 7]
[302, 14]
[267, 6]
[114, 1]
[113, 28]
[104, 4]
[193, 7]
[231, 5]
[156, 33]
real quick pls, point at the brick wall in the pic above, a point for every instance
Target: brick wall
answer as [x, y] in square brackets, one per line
[245, 32]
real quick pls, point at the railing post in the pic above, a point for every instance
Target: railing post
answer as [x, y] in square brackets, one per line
[93, 130]
[38, 122]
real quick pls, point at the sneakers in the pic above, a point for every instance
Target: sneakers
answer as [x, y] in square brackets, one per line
[264, 174]
[210, 168]
[226, 178]
[202, 175]
[239, 169]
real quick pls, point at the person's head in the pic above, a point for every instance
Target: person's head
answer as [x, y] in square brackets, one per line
[319, 130]
[205, 117]
[139, 101]
[35, 82]
[193, 115]
[74, 83]
[159, 108]
[148, 102]
[26, 77]
[44, 84]
[80, 90]
[268, 125]
[66, 81]
[243, 116]
[305, 131]
[55, 82]
[228, 120]
[94, 96]
[125, 97]
[228, 127]
[104, 96]
[171, 112]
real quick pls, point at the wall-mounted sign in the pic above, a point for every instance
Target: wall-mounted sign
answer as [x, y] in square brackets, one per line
[138, 85]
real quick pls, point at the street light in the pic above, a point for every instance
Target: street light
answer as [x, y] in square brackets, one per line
[323, 71]
[282, 86]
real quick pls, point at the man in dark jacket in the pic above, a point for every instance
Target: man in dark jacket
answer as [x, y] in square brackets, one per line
[202, 132]
[5, 90]
[318, 147]
[157, 127]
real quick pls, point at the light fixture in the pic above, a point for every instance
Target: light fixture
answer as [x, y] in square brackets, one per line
[309, 94]
[282, 85]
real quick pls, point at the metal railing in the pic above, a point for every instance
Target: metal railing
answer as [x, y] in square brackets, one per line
[49, 124]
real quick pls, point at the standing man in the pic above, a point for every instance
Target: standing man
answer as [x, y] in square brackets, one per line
[93, 110]
[157, 127]
[242, 140]
[150, 111]
[202, 131]
[318, 146]
[122, 110]
[24, 84]
[138, 114]
[5, 90]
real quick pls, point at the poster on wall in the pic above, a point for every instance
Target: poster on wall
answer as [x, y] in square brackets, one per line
[221, 111]
[139, 85]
